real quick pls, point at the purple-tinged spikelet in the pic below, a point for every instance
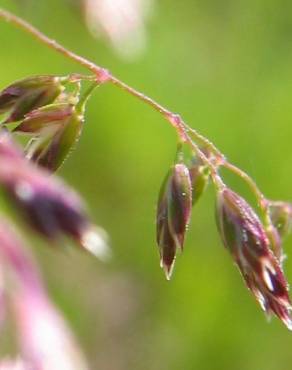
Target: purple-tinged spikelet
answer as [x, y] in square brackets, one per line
[58, 127]
[275, 242]
[45, 119]
[173, 214]
[244, 236]
[179, 199]
[28, 94]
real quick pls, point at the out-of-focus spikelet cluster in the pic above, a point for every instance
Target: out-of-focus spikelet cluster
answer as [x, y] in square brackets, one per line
[51, 115]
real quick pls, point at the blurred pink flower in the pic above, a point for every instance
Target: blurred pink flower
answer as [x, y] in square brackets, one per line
[2, 300]
[46, 342]
[9, 364]
[122, 22]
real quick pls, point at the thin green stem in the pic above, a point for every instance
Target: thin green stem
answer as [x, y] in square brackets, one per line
[77, 77]
[172, 118]
[86, 95]
[207, 143]
[261, 200]
[217, 180]
[100, 72]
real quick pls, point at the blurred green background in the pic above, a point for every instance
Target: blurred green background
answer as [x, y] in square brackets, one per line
[225, 66]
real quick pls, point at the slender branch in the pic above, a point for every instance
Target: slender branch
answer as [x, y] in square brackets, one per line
[100, 72]
[170, 117]
[185, 132]
[217, 180]
[262, 201]
[208, 144]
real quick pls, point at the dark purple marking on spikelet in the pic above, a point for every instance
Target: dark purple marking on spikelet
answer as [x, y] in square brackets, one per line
[8, 97]
[179, 197]
[167, 250]
[25, 95]
[243, 234]
[173, 214]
